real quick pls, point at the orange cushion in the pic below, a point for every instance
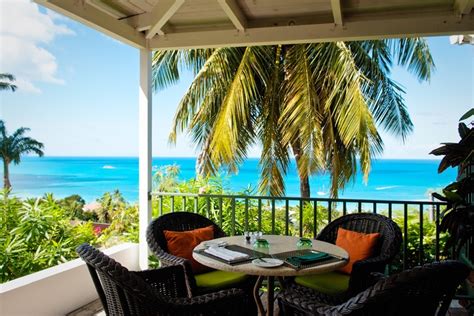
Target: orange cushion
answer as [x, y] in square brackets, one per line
[181, 244]
[360, 246]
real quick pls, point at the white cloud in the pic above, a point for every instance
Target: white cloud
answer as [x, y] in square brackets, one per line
[25, 33]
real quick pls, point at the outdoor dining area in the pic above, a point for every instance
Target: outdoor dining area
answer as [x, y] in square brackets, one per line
[340, 272]
[343, 268]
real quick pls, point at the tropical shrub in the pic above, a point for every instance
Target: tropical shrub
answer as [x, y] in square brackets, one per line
[413, 253]
[37, 234]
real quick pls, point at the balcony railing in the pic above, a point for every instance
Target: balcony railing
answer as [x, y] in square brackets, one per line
[418, 220]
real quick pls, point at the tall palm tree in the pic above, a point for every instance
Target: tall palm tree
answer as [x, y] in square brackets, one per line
[13, 146]
[7, 85]
[323, 102]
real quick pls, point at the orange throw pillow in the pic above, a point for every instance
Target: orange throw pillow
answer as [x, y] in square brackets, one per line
[181, 244]
[360, 246]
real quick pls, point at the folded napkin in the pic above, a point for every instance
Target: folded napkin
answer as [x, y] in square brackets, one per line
[225, 254]
[311, 257]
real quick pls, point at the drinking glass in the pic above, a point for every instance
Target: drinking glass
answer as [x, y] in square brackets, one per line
[304, 243]
[261, 245]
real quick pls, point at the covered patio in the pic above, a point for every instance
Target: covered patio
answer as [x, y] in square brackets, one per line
[150, 25]
[179, 24]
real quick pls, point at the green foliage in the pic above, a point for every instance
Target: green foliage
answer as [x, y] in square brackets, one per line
[14, 146]
[74, 205]
[458, 219]
[6, 82]
[37, 234]
[414, 254]
[111, 205]
[324, 101]
[123, 228]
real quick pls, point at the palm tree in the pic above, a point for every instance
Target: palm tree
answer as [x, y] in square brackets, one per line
[323, 102]
[13, 146]
[7, 85]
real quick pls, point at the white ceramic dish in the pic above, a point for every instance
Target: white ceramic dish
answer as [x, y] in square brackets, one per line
[267, 262]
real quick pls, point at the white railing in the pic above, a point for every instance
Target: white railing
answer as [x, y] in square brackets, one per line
[60, 289]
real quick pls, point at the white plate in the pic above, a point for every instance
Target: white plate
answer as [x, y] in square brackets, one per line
[268, 263]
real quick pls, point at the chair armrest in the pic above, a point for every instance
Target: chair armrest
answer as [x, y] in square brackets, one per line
[303, 300]
[167, 281]
[361, 271]
[226, 302]
[373, 278]
[167, 259]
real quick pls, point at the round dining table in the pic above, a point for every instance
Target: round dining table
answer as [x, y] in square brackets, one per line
[277, 245]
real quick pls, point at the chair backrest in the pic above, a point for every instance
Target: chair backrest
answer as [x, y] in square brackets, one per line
[121, 291]
[426, 290]
[390, 239]
[178, 221]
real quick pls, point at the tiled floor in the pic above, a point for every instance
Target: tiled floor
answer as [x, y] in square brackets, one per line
[92, 309]
[95, 309]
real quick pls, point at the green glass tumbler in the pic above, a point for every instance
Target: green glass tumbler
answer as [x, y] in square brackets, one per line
[261, 245]
[304, 243]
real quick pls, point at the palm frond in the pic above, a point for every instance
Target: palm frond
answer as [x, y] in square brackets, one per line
[414, 53]
[274, 159]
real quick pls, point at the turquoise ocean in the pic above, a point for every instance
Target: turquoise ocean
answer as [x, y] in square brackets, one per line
[91, 177]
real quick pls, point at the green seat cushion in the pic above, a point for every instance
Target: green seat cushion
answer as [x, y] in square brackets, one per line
[329, 283]
[218, 279]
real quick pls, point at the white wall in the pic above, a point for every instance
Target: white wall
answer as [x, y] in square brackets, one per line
[60, 289]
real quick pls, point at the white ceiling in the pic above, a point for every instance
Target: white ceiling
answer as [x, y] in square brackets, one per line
[173, 24]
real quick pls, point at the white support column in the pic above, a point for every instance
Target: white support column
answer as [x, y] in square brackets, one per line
[144, 148]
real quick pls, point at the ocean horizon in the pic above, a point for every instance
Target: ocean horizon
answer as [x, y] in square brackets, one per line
[91, 177]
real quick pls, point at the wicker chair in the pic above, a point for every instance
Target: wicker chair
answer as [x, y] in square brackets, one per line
[421, 291]
[387, 248]
[154, 292]
[183, 221]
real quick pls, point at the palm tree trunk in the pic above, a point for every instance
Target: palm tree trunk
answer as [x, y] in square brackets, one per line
[6, 175]
[305, 190]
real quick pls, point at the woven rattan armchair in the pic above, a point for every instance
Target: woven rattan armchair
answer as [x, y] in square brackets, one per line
[154, 292]
[422, 291]
[184, 221]
[178, 221]
[388, 246]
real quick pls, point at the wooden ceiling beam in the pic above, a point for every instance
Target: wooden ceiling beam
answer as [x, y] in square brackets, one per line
[392, 27]
[463, 7]
[105, 8]
[337, 12]
[162, 12]
[235, 14]
[97, 19]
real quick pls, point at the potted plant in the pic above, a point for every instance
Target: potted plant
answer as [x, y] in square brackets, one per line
[458, 218]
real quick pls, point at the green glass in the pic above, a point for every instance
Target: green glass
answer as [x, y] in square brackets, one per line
[261, 244]
[304, 243]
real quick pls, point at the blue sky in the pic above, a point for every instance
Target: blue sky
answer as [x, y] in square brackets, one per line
[79, 90]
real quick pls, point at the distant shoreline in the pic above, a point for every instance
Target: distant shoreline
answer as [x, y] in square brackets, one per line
[91, 177]
[194, 157]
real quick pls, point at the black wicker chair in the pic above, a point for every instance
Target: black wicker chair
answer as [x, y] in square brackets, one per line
[184, 221]
[154, 292]
[421, 291]
[387, 248]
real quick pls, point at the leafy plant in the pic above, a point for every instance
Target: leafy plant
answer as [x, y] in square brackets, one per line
[324, 102]
[36, 234]
[458, 219]
[413, 252]
[13, 146]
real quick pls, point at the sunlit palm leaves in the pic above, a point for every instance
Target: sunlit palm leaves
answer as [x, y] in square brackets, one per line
[13, 146]
[6, 82]
[321, 101]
